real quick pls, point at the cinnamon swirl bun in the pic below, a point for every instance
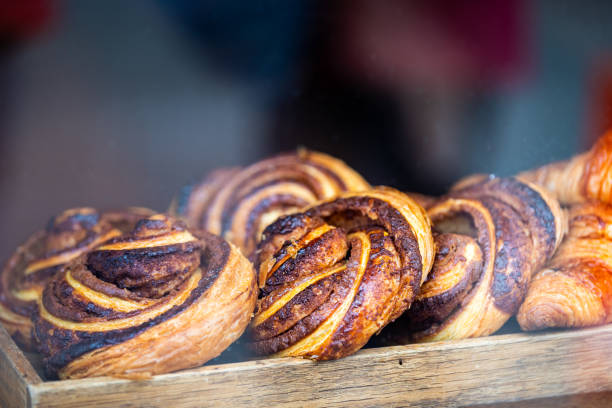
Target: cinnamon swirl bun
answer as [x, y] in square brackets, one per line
[239, 204]
[67, 236]
[334, 275]
[158, 299]
[490, 235]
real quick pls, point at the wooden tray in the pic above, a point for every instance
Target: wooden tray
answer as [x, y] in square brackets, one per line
[500, 368]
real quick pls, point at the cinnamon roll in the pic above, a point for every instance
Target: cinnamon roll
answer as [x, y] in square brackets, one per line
[587, 176]
[334, 275]
[490, 236]
[155, 300]
[239, 204]
[67, 236]
[575, 288]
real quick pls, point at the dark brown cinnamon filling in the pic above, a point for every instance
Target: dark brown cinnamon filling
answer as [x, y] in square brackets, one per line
[148, 272]
[513, 264]
[527, 203]
[454, 230]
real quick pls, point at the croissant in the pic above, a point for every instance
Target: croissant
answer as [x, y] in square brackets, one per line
[67, 236]
[587, 176]
[575, 288]
[155, 300]
[239, 204]
[334, 275]
[490, 235]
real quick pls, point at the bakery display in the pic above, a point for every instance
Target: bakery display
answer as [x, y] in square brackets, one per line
[302, 254]
[491, 234]
[239, 203]
[575, 288]
[154, 300]
[587, 176]
[334, 275]
[67, 236]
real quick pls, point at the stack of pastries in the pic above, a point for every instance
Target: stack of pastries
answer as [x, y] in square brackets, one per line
[304, 257]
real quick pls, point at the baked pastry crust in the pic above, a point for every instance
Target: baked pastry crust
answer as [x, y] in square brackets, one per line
[585, 177]
[239, 203]
[575, 288]
[156, 300]
[336, 274]
[491, 234]
[67, 236]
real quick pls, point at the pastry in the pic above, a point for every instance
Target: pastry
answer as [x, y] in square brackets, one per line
[239, 204]
[490, 235]
[192, 203]
[575, 288]
[67, 236]
[334, 275]
[158, 299]
[587, 176]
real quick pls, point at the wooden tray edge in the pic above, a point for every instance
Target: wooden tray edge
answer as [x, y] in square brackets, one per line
[474, 371]
[16, 373]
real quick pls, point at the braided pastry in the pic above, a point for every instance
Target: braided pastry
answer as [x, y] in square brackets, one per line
[67, 236]
[490, 236]
[587, 176]
[336, 274]
[575, 288]
[158, 299]
[239, 204]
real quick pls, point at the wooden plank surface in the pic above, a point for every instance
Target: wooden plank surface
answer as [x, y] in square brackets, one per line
[592, 400]
[16, 373]
[477, 371]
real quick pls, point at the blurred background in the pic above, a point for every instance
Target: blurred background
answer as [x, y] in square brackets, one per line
[114, 103]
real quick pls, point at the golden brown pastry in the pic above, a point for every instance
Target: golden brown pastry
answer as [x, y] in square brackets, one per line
[336, 274]
[490, 236]
[575, 288]
[239, 204]
[585, 177]
[158, 299]
[67, 236]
